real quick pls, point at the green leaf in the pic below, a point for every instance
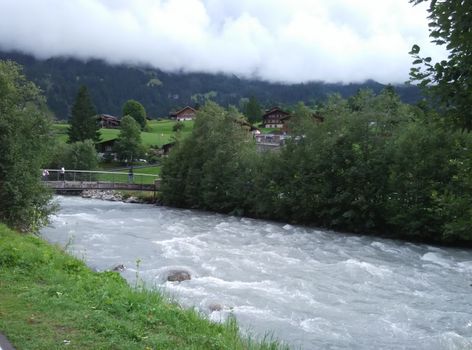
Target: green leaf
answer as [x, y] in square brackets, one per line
[415, 49]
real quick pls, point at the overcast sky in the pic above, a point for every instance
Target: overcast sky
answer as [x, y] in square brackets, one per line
[277, 40]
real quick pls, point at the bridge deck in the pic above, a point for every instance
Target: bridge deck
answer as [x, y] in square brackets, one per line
[99, 185]
[76, 180]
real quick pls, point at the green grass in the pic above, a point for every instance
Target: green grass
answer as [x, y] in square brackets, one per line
[60, 130]
[137, 178]
[269, 130]
[160, 132]
[50, 300]
[108, 134]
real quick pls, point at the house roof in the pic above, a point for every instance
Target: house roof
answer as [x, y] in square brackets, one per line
[183, 110]
[274, 110]
[107, 117]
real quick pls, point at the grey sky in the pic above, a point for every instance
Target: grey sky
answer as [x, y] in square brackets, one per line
[277, 40]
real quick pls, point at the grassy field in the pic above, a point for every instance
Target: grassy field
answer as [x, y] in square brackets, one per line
[160, 132]
[50, 300]
[137, 178]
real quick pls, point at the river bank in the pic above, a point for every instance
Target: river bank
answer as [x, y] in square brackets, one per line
[312, 288]
[50, 300]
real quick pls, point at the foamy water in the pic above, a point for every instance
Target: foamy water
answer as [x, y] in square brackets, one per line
[309, 288]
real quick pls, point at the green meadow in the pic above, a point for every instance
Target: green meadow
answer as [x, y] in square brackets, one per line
[159, 132]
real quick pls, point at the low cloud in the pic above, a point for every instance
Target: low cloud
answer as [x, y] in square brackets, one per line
[277, 40]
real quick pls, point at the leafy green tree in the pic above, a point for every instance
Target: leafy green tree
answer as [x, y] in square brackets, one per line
[450, 80]
[83, 124]
[210, 167]
[136, 110]
[80, 155]
[253, 110]
[25, 139]
[128, 146]
[178, 126]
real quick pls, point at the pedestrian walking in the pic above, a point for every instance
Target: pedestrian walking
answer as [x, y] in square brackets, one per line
[62, 174]
[130, 175]
[45, 175]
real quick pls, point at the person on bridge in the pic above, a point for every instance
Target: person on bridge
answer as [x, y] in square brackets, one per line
[62, 173]
[130, 175]
[45, 175]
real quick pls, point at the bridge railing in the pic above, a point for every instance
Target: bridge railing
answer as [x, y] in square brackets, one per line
[100, 176]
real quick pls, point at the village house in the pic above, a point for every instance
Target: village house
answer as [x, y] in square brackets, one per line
[108, 121]
[106, 146]
[275, 118]
[186, 113]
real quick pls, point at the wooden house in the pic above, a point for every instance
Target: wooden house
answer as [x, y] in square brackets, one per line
[186, 113]
[275, 118]
[108, 121]
[106, 146]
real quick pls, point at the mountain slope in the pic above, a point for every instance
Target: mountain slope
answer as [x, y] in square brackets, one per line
[160, 92]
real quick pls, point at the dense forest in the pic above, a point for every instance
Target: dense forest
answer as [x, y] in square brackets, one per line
[160, 92]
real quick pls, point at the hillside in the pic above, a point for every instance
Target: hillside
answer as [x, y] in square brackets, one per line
[160, 92]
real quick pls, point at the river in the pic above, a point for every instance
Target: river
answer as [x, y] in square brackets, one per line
[310, 288]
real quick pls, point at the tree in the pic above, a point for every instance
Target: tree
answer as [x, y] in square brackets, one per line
[253, 110]
[178, 126]
[449, 81]
[83, 124]
[79, 155]
[136, 110]
[207, 170]
[128, 145]
[25, 139]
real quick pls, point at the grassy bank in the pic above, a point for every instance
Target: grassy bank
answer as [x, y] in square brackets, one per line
[49, 300]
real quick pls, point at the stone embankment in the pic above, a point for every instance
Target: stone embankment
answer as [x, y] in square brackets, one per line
[111, 196]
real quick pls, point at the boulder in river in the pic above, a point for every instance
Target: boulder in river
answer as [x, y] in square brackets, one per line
[215, 307]
[118, 268]
[178, 276]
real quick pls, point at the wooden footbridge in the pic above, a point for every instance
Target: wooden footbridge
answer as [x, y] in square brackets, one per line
[78, 180]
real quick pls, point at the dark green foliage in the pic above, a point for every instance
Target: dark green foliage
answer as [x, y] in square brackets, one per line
[25, 141]
[178, 126]
[128, 146]
[83, 124]
[252, 110]
[430, 191]
[373, 165]
[79, 155]
[449, 81]
[210, 167]
[136, 110]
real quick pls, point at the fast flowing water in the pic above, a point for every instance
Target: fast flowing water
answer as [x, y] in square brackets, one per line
[310, 288]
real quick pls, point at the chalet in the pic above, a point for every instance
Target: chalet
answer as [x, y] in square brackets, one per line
[275, 118]
[186, 113]
[108, 121]
[106, 146]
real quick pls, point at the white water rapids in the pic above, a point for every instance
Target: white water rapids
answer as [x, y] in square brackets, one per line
[310, 288]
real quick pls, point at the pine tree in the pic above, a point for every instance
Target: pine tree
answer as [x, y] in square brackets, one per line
[253, 110]
[83, 124]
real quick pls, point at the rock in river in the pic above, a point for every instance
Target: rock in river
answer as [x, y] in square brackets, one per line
[178, 276]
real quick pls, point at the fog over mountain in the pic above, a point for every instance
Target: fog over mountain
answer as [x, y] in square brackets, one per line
[290, 41]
